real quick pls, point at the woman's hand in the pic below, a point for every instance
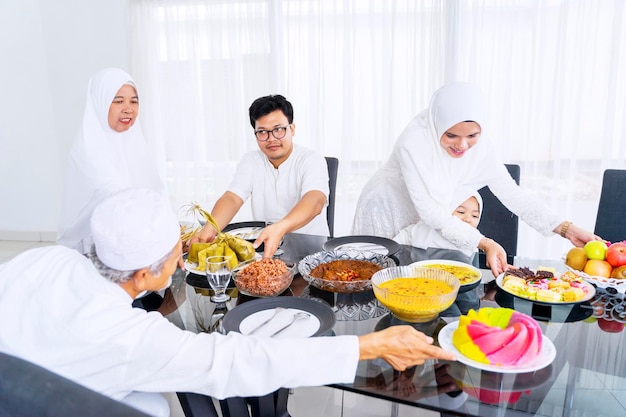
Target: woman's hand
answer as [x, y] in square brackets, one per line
[577, 235]
[495, 254]
[401, 347]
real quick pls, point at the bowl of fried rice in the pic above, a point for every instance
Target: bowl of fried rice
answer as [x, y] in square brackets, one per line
[264, 278]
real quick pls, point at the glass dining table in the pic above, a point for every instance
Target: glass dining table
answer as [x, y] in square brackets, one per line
[586, 378]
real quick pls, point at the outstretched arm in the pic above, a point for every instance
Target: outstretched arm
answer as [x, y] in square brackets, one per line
[223, 212]
[309, 206]
[577, 235]
[401, 346]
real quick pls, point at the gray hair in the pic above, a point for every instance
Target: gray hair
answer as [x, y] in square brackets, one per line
[120, 277]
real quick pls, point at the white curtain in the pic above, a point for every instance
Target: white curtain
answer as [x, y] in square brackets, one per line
[357, 71]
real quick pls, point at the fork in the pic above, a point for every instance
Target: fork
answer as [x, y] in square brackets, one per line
[299, 315]
[276, 311]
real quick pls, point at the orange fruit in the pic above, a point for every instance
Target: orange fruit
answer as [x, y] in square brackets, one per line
[598, 268]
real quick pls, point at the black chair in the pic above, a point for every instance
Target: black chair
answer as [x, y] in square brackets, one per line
[610, 224]
[333, 168]
[497, 222]
[29, 390]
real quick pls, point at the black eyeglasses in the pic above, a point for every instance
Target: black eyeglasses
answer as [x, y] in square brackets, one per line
[264, 135]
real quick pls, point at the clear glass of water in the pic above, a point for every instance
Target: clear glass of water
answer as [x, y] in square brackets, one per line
[218, 273]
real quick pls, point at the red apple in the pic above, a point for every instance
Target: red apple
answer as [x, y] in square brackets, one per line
[610, 326]
[616, 254]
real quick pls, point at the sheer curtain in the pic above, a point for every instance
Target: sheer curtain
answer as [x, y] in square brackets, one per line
[357, 72]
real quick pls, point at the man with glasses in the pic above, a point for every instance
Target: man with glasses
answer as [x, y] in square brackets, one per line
[287, 183]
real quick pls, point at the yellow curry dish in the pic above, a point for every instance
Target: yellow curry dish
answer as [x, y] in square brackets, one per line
[415, 294]
[466, 273]
[416, 286]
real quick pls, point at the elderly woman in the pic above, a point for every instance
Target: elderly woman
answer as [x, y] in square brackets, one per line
[108, 154]
[439, 150]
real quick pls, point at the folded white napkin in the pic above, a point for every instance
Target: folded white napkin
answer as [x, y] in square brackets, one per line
[300, 328]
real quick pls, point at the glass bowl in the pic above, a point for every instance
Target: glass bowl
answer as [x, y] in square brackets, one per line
[257, 280]
[309, 263]
[415, 307]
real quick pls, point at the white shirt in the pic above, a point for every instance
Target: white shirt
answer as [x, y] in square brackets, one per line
[69, 319]
[275, 191]
[419, 179]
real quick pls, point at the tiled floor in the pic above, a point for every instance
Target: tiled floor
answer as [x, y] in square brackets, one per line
[303, 402]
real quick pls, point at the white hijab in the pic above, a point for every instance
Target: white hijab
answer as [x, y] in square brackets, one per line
[102, 160]
[436, 174]
[421, 235]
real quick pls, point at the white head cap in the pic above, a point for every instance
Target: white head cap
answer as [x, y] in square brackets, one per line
[133, 228]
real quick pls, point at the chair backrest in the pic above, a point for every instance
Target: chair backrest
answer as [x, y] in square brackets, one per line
[333, 168]
[497, 222]
[27, 389]
[610, 224]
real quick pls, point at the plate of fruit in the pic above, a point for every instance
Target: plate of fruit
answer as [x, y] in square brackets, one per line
[546, 286]
[599, 262]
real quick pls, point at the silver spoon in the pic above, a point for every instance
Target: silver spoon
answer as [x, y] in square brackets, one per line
[299, 315]
[276, 311]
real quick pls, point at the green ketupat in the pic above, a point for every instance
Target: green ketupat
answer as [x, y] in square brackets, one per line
[214, 249]
[233, 261]
[194, 249]
[226, 244]
[243, 248]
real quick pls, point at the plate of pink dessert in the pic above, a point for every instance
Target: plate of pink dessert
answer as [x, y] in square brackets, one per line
[545, 357]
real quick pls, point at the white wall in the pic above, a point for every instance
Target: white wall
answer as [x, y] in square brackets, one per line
[48, 51]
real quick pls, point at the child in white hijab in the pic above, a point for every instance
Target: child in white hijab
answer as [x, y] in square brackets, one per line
[466, 204]
[108, 154]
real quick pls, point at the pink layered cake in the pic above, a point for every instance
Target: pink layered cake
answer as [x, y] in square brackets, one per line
[498, 336]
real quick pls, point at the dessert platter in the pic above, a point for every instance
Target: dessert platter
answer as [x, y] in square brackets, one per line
[498, 340]
[545, 286]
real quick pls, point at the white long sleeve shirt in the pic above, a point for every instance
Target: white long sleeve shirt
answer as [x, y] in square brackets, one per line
[60, 313]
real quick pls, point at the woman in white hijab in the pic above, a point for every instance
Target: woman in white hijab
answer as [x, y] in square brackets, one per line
[444, 147]
[108, 154]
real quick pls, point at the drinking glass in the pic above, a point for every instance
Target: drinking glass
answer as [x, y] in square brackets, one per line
[218, 273]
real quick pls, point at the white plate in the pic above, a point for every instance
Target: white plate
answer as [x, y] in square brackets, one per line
[545, 358]
[452, 263]
[591, 292]
[374, 244]
[300, 328]
[193, 267]
[246, 316]
[247, 233]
